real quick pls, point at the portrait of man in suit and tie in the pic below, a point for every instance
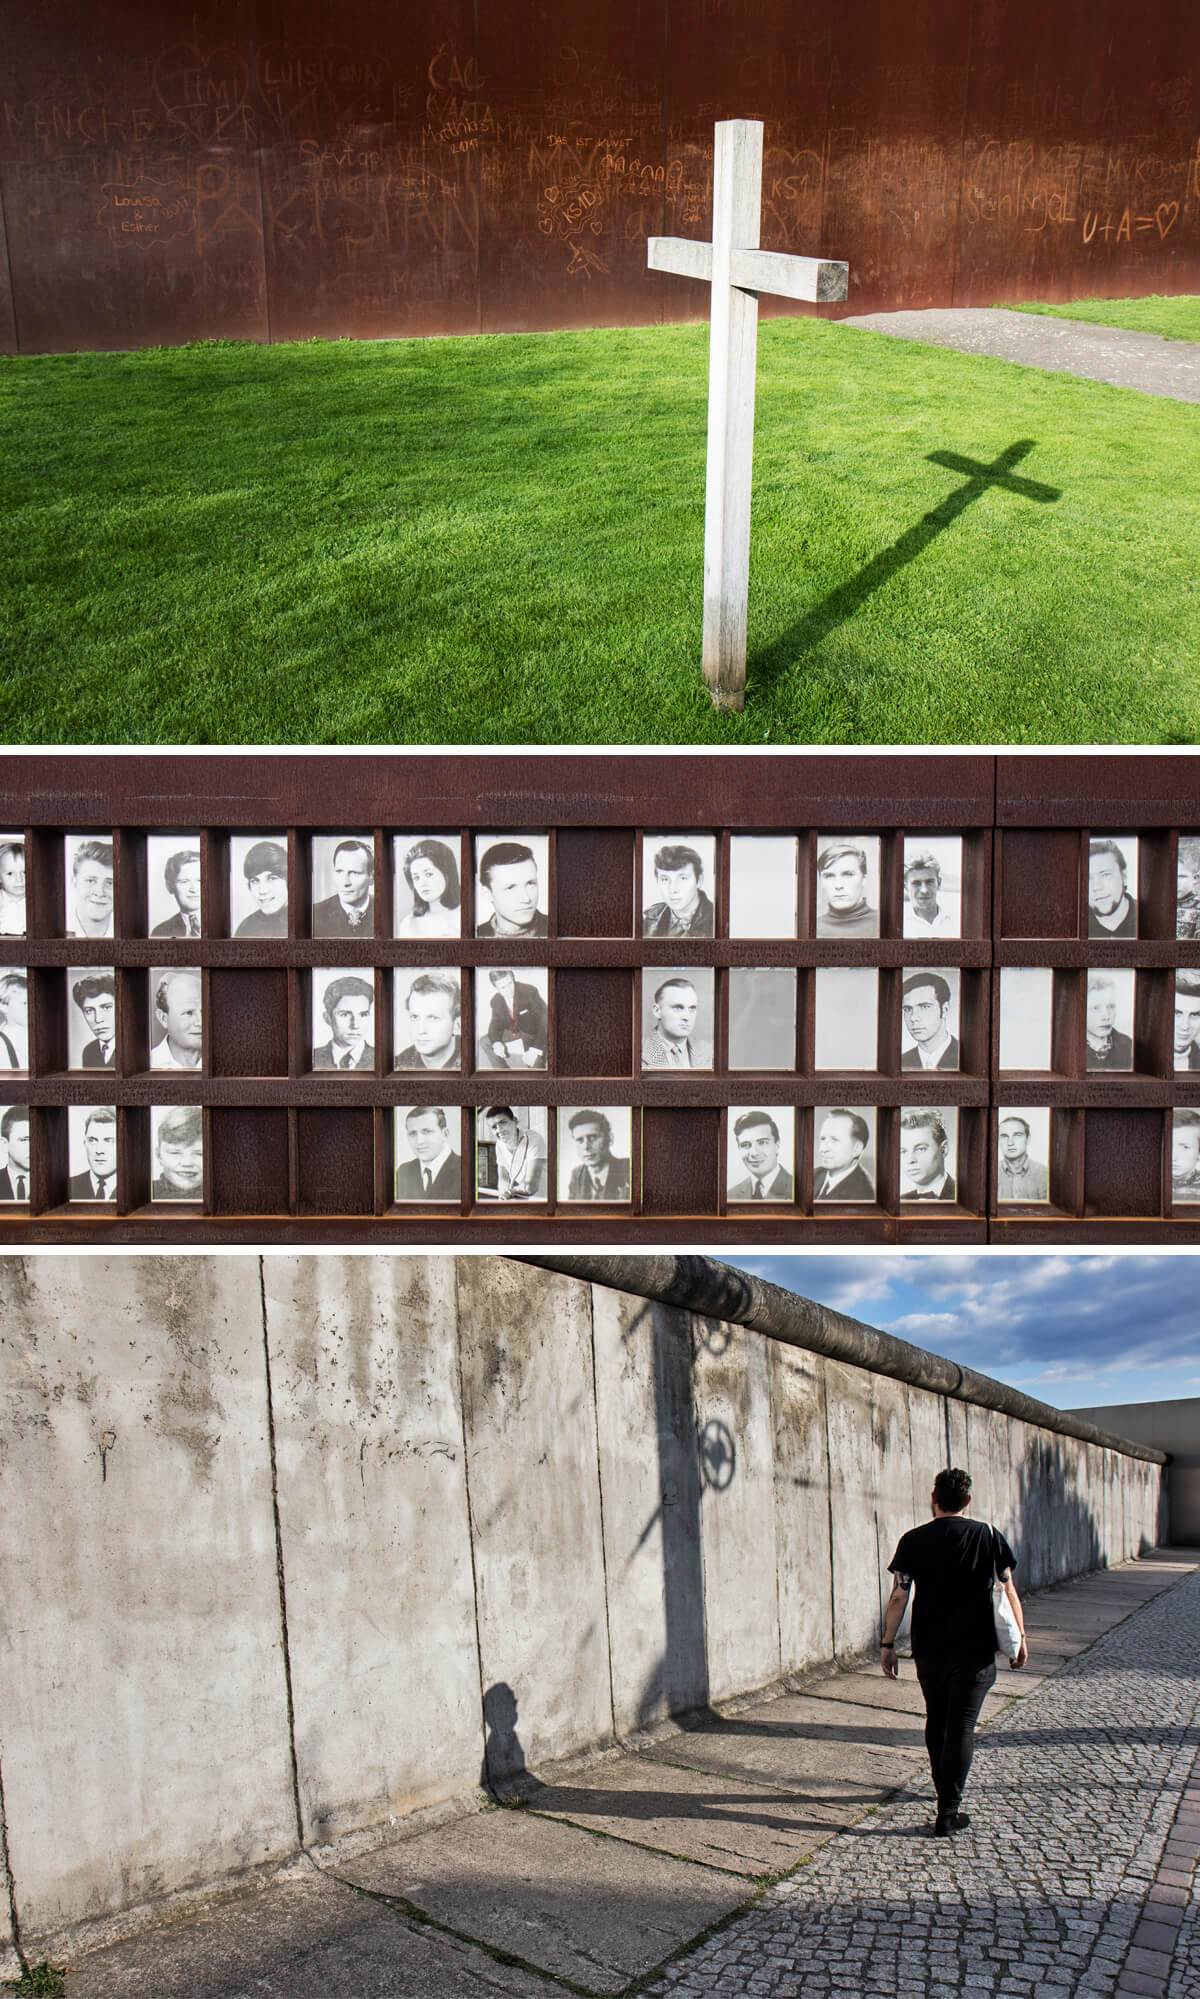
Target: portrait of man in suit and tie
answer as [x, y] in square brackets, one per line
[93, 1133]
[929, 1020]
[515, 1030]
[14, 1141]
[93, 1027]
[434, 1173]
[927, 1156]
[761, 1150]
[344, 1008]
[842, 1139]
[180, 885]
[349, 863]
[590, 1166]
[677, 1009]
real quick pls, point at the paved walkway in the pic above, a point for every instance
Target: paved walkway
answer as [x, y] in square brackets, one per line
[783, 1849]
[1111, 354]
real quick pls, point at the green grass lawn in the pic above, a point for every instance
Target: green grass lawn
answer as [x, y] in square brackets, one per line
[500, 541]
[1173, 318]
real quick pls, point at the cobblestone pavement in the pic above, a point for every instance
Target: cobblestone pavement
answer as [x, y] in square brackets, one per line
[1077, 1873]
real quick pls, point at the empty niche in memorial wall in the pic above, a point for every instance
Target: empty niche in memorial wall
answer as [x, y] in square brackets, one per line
[847, 1017]
[1026, 1017]
[763, 883]
[762, 1017]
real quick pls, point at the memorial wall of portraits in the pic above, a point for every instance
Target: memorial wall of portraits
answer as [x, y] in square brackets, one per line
[868, 979]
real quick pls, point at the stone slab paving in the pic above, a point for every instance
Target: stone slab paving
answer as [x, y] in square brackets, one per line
[1143, 361]
[1077, 1872]
[1083, 1817]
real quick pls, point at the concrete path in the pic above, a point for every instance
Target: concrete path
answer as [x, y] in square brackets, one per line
[1142, 361]
[782, 1848]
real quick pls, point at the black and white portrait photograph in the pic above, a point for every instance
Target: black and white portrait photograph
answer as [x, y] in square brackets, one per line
[762, 884]
[258, 885]
[1187, 1019]
[173, 884]
[1187, 892]
[512, 1017]
[1108, 1031]
[511, 888]
[848, 885]
[427, 1138]
[678, 888]
[1022, 1154]
[88, 884]
[933, 885]
[1113, 886]
[92, 1017]
[843, 1153]
[14, 1153]
[343, 1020]
[1185, 1156]
[760, 1153]
[847, 1017]
[427, 884]
[762, 1017]
[510, 1152]
[12, 885]
[14, 1018]
[595, 1154]
[343, 885]
[677, 1018]
[928, 1154]
[929, 1020]
[92, 1152]
[1026, 1016]
[426, 1019]
[176, 1018]
[177, 1152]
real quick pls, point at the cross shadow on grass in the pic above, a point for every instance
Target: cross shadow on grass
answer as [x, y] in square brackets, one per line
[841, 604]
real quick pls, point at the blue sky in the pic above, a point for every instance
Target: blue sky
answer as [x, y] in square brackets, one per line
[1074, 1330]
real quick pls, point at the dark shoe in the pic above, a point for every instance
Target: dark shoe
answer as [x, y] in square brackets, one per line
[947, 1822]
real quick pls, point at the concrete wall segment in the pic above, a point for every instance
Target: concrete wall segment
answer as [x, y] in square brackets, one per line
[802, 1543]
[376, 1538]
[142, 1660]
[737, 1507]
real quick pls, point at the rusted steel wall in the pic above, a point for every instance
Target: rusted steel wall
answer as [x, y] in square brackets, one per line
[286, 169]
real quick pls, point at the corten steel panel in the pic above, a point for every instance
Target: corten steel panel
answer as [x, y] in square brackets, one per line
[1098, 791]
[8, 323]
[768, 61]
[130, 176]
[249, 1161]
[1122, 1162]
[594, 1023]
[574, 174]
[1040, 887]
[1079, 152]
[595, 882]
[248, 1021]
[679, 1161]
[897, 94]
[371, 142]
[336, 1161]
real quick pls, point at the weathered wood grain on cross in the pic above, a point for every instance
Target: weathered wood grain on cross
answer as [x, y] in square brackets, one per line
[738, 271]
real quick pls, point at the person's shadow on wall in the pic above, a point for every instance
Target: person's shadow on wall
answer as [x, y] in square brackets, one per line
[504, 1768]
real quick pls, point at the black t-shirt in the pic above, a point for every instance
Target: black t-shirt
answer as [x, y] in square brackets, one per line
[953, 1562]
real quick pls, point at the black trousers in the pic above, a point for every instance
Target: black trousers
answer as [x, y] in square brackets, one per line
[954, 1694]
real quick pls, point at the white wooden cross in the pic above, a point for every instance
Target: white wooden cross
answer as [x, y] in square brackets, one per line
[737, 270]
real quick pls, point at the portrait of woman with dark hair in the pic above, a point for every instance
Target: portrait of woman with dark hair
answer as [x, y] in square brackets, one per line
[431, 871]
